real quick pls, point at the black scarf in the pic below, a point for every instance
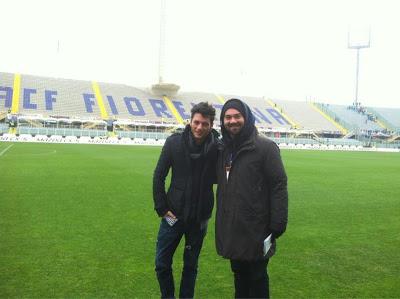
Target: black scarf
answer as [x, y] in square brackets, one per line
[197, 151]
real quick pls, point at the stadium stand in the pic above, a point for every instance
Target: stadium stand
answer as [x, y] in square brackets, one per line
[354, 119]
[54, 97]
[89, 101]
[389, 116]
[305, 117]
[52, 109]
[125, 102]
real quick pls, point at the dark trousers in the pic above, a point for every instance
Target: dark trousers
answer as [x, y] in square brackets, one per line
[251, 279]
[167, 241]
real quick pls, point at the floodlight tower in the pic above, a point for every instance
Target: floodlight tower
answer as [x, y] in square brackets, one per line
[358, 45]
[161, 49]
[162, 88]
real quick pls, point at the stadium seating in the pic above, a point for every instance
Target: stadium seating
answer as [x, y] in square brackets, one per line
[51, 109]
[357, 120]
[85, 100]
[391, 116]
[305, 116]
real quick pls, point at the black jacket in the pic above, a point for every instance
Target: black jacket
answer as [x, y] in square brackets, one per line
[175, 155]
[253, 201]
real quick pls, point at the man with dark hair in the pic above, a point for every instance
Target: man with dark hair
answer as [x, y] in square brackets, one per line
[252, 200]
[187, 206]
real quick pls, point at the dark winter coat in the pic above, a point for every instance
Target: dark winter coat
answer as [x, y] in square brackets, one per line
[253, 202]
[175, 155]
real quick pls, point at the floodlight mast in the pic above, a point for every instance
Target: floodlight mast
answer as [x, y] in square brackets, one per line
[358, 47]
[163, 88]
[161, 53]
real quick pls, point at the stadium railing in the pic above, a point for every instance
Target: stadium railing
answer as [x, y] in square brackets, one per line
[387, 123]
[334, 116]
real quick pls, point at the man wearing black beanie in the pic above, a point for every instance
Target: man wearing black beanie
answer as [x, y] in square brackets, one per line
[252, 200]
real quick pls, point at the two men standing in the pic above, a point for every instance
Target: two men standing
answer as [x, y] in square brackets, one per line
[252, 198]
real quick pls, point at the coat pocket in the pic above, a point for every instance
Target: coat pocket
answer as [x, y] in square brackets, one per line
[175, 200]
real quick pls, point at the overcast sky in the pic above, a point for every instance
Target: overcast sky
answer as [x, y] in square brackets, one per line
[291, 50]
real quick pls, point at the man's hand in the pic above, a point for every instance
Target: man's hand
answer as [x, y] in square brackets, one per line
[169, 214]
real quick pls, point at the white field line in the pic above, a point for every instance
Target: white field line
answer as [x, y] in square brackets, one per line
[6, 149]
[38, 154]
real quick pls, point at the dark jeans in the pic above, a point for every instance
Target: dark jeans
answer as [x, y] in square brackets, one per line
[251, 279]
[167, 241]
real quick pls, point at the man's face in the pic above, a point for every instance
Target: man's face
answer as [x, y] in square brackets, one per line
[200, 126]
[233, 121]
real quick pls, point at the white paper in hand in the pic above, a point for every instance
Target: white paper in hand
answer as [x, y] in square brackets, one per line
[267, 244]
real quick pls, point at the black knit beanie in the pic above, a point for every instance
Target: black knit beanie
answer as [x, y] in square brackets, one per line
[235, 104]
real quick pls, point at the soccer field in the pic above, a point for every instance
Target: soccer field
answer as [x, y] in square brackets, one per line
[77, 221]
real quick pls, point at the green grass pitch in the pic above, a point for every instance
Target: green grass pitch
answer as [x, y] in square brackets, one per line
[77, 221]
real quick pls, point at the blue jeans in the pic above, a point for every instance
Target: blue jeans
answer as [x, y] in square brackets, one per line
[167, 241]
